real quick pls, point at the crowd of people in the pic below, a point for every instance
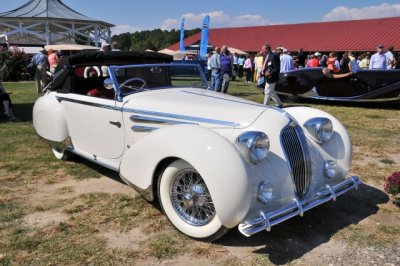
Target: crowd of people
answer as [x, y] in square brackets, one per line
[224, 66]
[266, 65]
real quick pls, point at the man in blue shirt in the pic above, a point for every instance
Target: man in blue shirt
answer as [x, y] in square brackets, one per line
[378, 60]
[286, 61]
[41, 63]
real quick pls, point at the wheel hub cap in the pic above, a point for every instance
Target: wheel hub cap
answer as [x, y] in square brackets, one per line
[191, 198]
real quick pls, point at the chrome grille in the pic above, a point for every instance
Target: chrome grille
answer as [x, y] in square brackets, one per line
[298, 156]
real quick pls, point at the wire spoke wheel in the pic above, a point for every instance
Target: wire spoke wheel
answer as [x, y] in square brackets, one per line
[187, 202]
[191, 198]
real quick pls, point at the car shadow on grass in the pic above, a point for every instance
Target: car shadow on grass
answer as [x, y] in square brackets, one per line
[95, 168]
[23, 112]
[292, 239]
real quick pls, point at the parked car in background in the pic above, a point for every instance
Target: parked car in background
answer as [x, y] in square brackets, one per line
[213, 161]
[364, 86]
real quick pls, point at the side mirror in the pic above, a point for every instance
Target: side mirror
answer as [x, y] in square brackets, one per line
[108, 84]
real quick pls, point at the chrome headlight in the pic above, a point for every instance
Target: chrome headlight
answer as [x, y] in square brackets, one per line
[320, 129]
[257, 144]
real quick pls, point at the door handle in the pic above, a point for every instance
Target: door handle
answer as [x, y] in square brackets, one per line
[117, 124]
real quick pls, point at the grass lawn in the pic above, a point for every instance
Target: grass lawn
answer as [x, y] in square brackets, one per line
[34, 183]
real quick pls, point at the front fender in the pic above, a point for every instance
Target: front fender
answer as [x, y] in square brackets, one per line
[339, 147]
[213, 156]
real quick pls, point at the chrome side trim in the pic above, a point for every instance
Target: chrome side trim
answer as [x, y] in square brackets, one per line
[143, 129]
[182, 117]
[155, 120]
[153, 113]
[266, 220]
[111, 107]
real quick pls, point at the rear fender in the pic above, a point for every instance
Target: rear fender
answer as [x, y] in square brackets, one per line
[49, 119]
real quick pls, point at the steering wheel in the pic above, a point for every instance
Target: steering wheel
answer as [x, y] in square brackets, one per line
[125, 84]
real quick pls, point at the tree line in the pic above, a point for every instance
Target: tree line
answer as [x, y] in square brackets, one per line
[155, 40]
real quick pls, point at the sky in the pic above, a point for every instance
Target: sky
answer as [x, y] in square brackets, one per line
[133, 15]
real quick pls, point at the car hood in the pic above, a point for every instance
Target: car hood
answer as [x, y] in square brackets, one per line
[195, 106]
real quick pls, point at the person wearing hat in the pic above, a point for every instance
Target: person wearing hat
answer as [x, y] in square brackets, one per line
[378, 60]
[286, 61]
[41, 63]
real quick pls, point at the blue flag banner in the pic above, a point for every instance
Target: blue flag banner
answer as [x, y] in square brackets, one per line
[204, 37]
[182, 44]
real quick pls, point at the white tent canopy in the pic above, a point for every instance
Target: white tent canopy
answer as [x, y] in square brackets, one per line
[70, 47]
[41, 22]
[166, 51]
[234, 50]
[178, 55]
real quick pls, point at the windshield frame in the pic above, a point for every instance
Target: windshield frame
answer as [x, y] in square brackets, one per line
[113, 68]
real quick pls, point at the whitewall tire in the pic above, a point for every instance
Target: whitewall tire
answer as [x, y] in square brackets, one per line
[186, 201]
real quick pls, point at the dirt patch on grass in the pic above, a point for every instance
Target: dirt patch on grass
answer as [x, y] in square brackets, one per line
[42, 219]
[125, 240]
[70, 188]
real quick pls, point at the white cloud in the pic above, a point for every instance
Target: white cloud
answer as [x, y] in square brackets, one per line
[119, 29]
[169, 24]
[218, 19]
[250, 20]
[345, 13]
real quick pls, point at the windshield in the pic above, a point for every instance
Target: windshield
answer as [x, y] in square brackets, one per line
[135, 78]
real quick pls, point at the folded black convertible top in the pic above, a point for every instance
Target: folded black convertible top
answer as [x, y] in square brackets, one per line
[63, 82]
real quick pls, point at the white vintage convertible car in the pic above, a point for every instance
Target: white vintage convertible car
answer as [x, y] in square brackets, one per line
[213, 161]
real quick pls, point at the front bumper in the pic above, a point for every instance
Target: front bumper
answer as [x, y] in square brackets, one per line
[266, 220]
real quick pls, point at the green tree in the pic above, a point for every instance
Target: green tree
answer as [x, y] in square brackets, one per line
[155, 40]
[13, 65]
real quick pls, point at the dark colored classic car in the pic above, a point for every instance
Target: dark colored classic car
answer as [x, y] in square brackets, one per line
[365, 85]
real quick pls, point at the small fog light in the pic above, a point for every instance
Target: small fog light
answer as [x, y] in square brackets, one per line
[330, 170]
[265, 192]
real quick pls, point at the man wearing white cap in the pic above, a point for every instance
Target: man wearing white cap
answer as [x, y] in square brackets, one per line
[378, 60]
[286, 61]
